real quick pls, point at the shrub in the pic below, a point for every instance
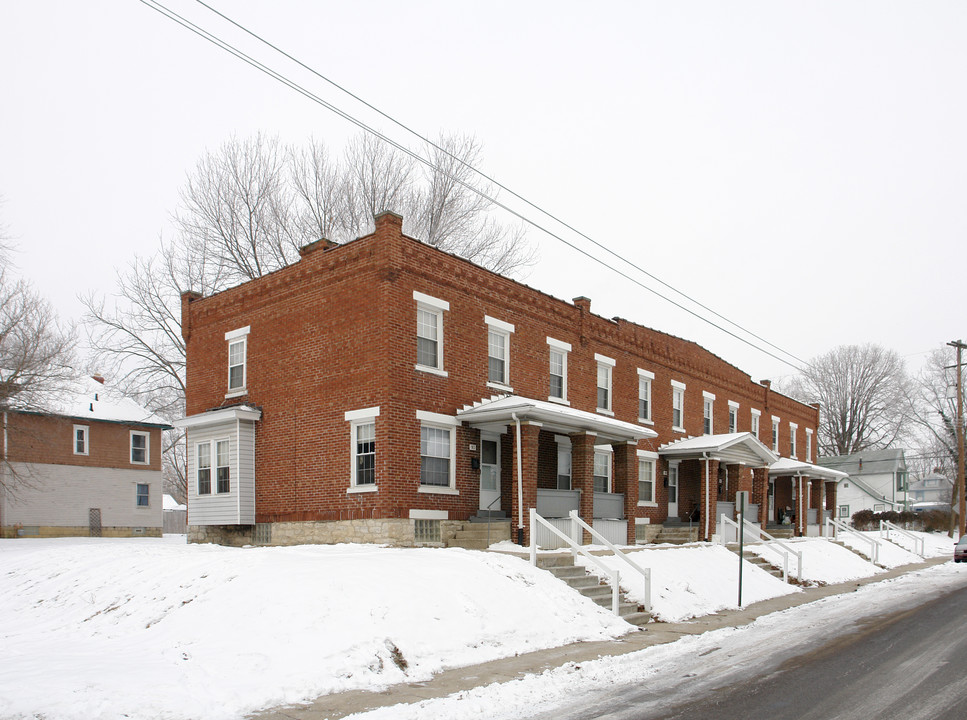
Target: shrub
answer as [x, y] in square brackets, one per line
[910, 520]
[863, 520]
[935, 520]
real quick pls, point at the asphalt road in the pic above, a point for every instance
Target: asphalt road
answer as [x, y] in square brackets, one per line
[909, 665]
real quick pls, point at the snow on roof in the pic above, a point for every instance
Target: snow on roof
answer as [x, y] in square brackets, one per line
[867, 462]
[731, 446]
[169, 503]
[88, 399]
[788, 466]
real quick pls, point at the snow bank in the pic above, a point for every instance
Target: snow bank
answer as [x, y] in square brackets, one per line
[822, 561]
[160, 629]
[693, 580]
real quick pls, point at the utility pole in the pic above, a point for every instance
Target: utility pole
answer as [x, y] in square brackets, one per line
[960, 436]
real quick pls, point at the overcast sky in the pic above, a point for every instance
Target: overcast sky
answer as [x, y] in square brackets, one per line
[801, 168]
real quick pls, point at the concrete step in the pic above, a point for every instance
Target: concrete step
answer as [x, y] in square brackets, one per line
[637, 618]
[481, 529]
[546, 560]
[566, 572]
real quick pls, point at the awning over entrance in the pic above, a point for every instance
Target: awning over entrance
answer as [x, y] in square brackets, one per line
[498, 412]
[787, 466]
[730, 448]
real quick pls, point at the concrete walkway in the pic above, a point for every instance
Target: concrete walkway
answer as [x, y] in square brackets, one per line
[339, 705]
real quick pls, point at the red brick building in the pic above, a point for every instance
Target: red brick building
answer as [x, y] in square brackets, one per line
[88, 464]
[382, 389]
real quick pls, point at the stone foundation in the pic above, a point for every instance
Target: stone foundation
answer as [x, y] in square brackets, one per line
[645, 533]
[55, 531]
[389, 531]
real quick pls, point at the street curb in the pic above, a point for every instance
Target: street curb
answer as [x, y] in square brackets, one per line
[338, 705]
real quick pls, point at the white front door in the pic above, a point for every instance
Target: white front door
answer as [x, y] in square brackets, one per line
[673, 491]
[489, 474]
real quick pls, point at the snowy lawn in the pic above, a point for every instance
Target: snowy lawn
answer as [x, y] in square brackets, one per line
[693, 580]
[890, 554]
[934, 544]
[147, 628]
[822, 561]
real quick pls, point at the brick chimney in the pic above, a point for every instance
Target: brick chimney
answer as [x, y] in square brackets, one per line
[582, 303]
[187, 297]
[98, 377]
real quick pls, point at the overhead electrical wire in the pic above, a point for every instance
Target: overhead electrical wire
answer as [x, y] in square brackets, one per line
[258, 65]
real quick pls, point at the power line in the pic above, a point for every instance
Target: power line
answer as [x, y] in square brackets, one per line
[258, 65]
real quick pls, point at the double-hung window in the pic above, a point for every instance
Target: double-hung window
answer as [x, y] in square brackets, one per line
[647, 465]
[678, 406]
[498, 353]
[142, 496]
[792, 439]
[602, 471]
[363, 431]
[213, 458]
[733, 416]
[429, 333]
[809, 445]
[237, 361]
[437, 452]
[644, 395]
[223, 472]
[82, 434]
[203, 467]
[140, 449]
[775, 434]
[707, 412]
[605, 367]
[754, 422]
[557, 382]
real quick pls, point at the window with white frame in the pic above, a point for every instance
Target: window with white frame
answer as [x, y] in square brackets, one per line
[498, 351]
[793, 427]
[605, 366]
[429, 332]
[644, 395]
[203, 468]
[678, 406]
[733, 416]
[809, 445]
[362, 430]
[647, 467]
[436, 451]
[602, 472]
[140, 448]
[755, 415]
[223, 467]
[557, 385]
[237, 361]
[563, 462]
[843, 511]
[82, 440]
[142, 496]
[707, 412]
[775, 434]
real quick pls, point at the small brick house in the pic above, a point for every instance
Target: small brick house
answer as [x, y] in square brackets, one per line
[88, 464]
[383, 390]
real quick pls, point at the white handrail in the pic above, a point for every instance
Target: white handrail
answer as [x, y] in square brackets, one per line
[838, 526]
[758, 533]
[613, 574]
[886, 526]
[645, 572]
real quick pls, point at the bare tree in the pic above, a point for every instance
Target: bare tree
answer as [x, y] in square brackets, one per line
[864, 397]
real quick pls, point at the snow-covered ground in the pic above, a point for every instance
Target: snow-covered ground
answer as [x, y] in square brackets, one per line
[98, 628]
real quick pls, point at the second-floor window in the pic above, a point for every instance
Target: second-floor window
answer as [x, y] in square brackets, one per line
[644, 395]
[237, 360]
[557, 383]
[755, 423]
[775, 434]
[82, 440]
[429, 332]
[498, 351]
[809, 445]
[605, 366]
[792, 439]
[139, 448]
[678, 406]
[709, 407]
[733, 417]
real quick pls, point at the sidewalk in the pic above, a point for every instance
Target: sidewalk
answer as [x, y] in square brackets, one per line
[465, 678]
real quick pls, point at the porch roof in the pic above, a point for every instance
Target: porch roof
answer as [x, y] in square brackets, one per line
[499, 411]
[788, 466]
[732, 448]
[219, 416]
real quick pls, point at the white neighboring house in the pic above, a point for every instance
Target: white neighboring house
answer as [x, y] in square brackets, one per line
[86, 462]
[877, 481]
[931, 491]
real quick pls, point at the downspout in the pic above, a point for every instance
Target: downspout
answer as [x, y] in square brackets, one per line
[708, 507]
[520, 486]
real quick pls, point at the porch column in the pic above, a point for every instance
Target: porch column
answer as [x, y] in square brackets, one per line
[527, 452]
[816, 499]
[626, 481]
[831, 498]
[582, 476]
[708, 497]
[801, 484]
[822, 508]
[760, 493]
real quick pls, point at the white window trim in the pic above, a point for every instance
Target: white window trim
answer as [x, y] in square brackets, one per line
[505, 329]
[653, 456]
[437, 307]
[563, 348]
[563, 445]
[355, 418]
[809, 444]
[708, 402]
[647, 377]
[602, 450]
[733, 412]
[87, 439]
[429, 514]
[448, 423]
[147, 447]
[213, 468]
[609, 363]
[678, 387]
[232, 337]
[499, 324]
[776, 422]
[755, 422]
[793, 447]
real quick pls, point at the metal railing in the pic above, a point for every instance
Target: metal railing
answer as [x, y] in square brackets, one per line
[644, 572]
[770, 541]
[886, 526]
[489, 517]
[575, 548]
[839, 526]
